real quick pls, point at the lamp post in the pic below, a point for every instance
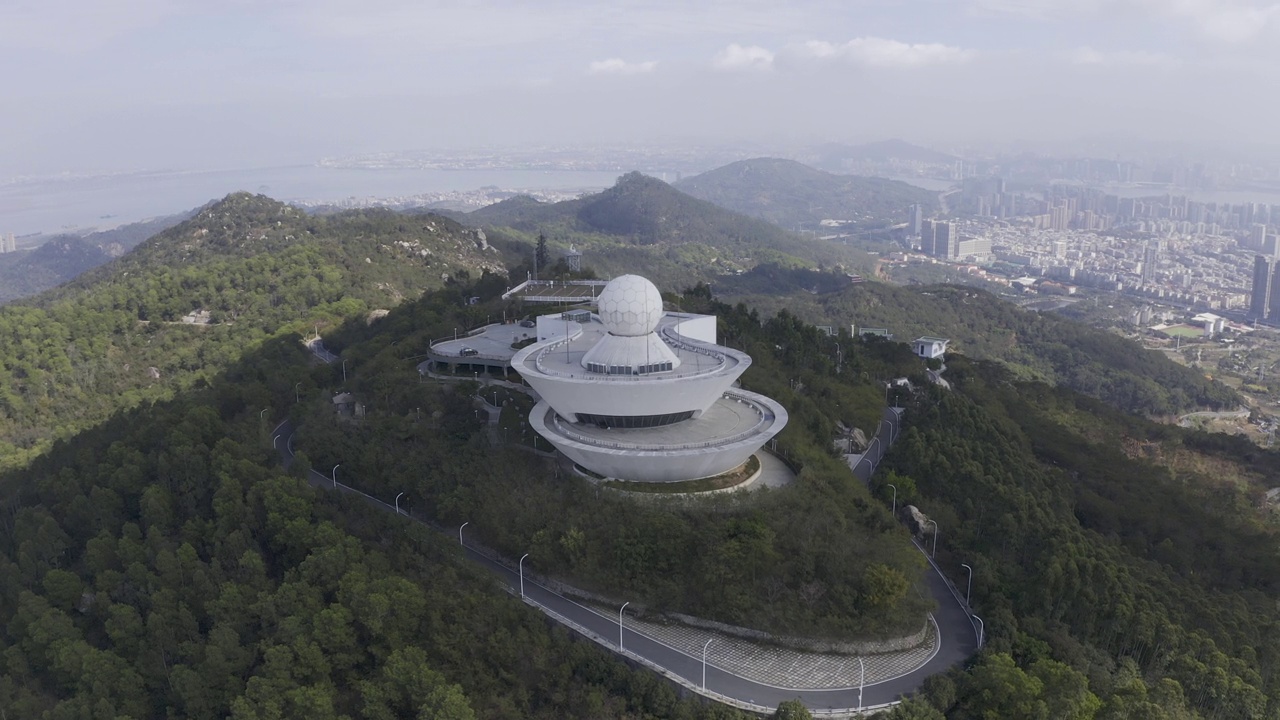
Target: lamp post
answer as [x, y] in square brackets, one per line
[982, 630]
[894, 512]
[398, 503]
[704, 663]
[968, 589]
[624, 607]
[862, 681]
[344, 371]
[334, 472]
[264, 410]
[460, 533]
[934, 553]
[521, 566]
[296, 397]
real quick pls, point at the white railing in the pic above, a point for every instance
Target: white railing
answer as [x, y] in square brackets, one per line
[689, 684]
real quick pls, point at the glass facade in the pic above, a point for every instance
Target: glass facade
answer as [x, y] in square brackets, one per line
[634, 421]
[629, 369]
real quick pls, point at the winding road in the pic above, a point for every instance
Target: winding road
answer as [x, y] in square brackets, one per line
[956, 634]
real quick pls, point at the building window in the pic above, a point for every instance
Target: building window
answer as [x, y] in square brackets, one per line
[628, 369]
[633, 421]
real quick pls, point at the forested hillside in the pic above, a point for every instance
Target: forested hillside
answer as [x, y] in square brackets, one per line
[162, 565]
[115, 337]
[818, 559]
[64, 257]
[644, 225]
[789, 193]
[58, 260]
[1043, 346]
[1138, 554]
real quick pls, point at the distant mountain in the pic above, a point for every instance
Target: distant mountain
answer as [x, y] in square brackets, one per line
[789, 193]
[63, 257]
[53, 263]
[119, 335]
[642, 224]
[881, 151]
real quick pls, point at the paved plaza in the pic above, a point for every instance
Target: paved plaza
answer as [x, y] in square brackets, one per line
[783, 667]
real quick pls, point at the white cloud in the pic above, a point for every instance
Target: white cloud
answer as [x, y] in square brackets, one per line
[883, 52]
[1228, 21]
[1086, 55]
[75, 26]
[618, 66]
[1223, 20]
[739, 57]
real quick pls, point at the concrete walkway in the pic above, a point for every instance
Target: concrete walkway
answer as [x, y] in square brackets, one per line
[773, 472]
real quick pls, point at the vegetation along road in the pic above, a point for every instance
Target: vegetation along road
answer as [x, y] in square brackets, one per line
[956, 636]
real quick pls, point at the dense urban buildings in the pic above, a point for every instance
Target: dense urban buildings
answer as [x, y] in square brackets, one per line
[1165, 247]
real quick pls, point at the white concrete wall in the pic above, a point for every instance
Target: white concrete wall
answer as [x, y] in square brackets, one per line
[655, 466]
[698, 327]
[642, 395]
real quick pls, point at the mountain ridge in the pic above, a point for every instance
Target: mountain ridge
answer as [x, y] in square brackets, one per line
[787, 193]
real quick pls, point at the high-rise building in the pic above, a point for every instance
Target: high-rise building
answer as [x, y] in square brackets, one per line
[1150, 259]
[1263, 297]
[945, 241]
[915, 217]
[927, 237]
[1258, 236]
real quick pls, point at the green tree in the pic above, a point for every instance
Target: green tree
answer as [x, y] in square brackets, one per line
[792, 710]
[542, 256]
[914, 709]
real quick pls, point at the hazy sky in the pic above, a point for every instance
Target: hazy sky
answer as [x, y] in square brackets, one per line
[123, 84]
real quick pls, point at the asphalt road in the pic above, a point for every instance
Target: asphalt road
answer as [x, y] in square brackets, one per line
[956, 640]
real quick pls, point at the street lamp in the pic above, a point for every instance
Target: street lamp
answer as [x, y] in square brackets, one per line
[982, 630]
[861, 682]
[261, 413]
[624, 607]
[398, 503]
[334, 472]
[344, 371]
[894, 512]
[704, 663]
[521, 566]
[460, 533]
[968, 589]
[296, 397]
[933, 554]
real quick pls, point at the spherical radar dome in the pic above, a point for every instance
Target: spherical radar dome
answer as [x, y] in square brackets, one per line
[629, 306]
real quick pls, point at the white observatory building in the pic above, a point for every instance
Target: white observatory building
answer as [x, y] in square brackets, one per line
[636, 393]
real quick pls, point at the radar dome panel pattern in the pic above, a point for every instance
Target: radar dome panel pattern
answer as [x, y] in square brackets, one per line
[630, 306]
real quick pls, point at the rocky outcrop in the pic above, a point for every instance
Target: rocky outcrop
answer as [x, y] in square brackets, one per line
[914, 520]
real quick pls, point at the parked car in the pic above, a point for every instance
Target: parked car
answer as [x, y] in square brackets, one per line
[468, 352]
[528, 323]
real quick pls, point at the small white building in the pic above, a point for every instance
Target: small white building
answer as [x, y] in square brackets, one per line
[930, 347]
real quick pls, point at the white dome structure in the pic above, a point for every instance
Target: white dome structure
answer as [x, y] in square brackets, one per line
[637, 393]
[630, 306]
